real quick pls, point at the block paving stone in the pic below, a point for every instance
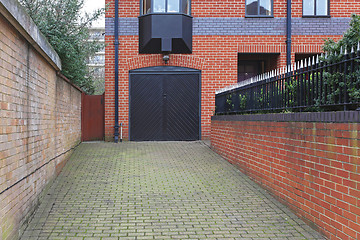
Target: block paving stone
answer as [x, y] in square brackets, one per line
[159, 190]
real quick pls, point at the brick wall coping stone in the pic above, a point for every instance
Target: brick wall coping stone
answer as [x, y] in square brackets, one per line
[22, 22]
[59, 74]
[337, 117]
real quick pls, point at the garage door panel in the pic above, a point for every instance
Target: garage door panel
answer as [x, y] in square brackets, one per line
[183, 107]
[146, 100]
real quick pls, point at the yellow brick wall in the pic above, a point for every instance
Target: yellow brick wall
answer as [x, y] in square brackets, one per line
[40, 122]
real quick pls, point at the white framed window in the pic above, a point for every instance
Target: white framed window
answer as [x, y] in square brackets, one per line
[165, 6]
[258, 8]
[316, 8]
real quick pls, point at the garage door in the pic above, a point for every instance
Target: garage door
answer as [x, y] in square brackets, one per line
[164, 104]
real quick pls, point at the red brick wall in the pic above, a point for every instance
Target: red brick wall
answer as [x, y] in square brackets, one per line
[229, 8]
[312, 167]
[236, 8]
[127, 8]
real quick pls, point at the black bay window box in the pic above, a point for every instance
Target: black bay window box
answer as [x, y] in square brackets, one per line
[165, 26]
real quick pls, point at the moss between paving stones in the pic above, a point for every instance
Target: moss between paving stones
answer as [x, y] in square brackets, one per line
[159, 190]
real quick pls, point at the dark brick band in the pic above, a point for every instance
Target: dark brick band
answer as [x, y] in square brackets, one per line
[246, 26]
[239, 26]
[319, 26]
[127, 26]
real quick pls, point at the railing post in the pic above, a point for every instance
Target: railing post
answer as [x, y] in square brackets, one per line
[316, 80]
[356, 68]
[321, 82]
[326, 82]
[301, 87]
[312, 77]
[345, 81]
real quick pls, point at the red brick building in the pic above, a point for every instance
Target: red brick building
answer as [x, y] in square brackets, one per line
[209, 44]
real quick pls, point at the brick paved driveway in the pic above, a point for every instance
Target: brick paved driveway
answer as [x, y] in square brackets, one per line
[159, 190]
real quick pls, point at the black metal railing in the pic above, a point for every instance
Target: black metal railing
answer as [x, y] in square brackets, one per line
[318, 84]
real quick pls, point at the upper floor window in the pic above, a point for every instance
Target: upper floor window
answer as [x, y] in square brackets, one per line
[316, 7]
[259, 8]
[165, 6]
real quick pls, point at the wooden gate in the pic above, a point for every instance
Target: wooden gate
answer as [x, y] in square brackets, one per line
[92, 118]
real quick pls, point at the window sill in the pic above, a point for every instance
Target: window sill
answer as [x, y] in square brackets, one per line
[165, 13]
[316, 16]
[258, 16]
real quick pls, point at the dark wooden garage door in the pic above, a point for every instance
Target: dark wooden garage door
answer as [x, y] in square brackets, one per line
[164, 104]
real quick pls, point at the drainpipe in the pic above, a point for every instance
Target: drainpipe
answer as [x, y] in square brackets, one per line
[288, 33]
[116, 33]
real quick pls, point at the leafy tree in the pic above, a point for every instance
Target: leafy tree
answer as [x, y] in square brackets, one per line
[335, 82]
[67, 30]
[351, 38]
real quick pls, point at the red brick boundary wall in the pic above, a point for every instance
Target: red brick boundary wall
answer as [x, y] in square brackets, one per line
[40, 118]
[309, 161]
